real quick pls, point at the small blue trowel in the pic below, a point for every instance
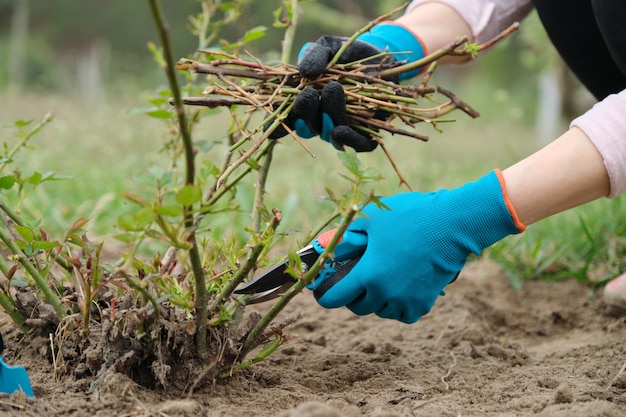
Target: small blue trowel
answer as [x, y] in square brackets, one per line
[13, 378]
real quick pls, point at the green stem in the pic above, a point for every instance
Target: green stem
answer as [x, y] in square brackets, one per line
[367, 27]
[446, 50]
[46, 119]
[284, 109]
[290, 32]
[194, 253]
[30, 268]
[8, 305]
[321, 226]
[253, 337]
[12, 215]
[259, 194]
[216, 194]
[242, 272]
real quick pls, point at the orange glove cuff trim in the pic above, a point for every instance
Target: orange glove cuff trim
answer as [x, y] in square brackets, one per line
[509, 204]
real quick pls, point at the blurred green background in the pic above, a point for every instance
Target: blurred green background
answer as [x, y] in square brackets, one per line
[88, 62]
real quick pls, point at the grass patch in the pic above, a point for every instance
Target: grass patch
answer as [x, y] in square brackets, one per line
[587, 243]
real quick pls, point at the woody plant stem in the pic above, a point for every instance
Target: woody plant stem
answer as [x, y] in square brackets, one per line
[194, 253]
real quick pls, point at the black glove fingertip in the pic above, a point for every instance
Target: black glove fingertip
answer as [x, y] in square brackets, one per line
[344, 135]
[280, 131]
[307, 108]
[333, 101]
[314, 60]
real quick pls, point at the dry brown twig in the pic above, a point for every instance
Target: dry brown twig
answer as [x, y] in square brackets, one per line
[367, 89]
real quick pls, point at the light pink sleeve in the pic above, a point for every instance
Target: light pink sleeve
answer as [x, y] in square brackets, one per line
[486, 18]
[605, 125]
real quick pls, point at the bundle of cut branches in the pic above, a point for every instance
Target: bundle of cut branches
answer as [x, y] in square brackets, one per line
[367, 87]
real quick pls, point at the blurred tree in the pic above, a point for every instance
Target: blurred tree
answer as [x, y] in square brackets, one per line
[17, 46]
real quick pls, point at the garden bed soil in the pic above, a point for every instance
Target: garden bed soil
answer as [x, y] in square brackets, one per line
[552, 349]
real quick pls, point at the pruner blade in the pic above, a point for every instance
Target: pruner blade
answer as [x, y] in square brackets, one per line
[274, 282]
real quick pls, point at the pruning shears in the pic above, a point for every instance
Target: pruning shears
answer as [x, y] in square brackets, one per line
[274, 282]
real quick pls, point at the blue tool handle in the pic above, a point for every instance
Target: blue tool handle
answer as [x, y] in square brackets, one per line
[350, 246]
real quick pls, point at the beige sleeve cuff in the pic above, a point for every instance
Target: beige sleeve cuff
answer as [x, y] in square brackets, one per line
[605, 125]
[486, 18]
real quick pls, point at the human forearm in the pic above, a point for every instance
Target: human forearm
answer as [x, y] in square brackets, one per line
[436, 25]
[483, 19]
[565, 174]
[585, 163]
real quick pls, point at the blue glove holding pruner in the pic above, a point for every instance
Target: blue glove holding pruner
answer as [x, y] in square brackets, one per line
[394, 261]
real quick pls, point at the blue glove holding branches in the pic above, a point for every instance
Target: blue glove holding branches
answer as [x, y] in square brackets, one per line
[324, 113]
[416, 246]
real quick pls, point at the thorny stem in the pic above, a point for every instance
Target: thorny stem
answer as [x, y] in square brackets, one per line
[506, 32]
[259, 193]
[321, 226]
[253, 337]
[9, 156]
[20, 222]
[242, 272]
[446, 50]
[12, 214]
[194, 253]
[285, 109]
[218, 193]
[30, 268]
[290, 32]
[367, 27]
[403, 180]
[8, 305]
[9, 308]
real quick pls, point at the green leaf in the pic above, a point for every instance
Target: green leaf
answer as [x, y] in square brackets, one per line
[52, 176]
[157, 171]
[22, 123]
[145, 178]
[42, 245]
[35, 178]
[278, 19]
[171, 211]
[188, 195]
[28, 250]
[19, 283]
[27, 234]
[157, 54]
[142, 110]
[254, 34]
[135, 198]
[351, 161]
[7, 182]
[137, 221]
[155, 234]
[124, 237]
[159, 114]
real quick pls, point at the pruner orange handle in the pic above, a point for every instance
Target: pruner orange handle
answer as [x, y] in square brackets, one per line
[351, 245]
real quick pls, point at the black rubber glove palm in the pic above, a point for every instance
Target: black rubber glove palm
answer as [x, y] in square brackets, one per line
[324, 114]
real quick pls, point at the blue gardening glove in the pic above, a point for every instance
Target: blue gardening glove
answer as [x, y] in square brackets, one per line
[325, 113]
[416, 247]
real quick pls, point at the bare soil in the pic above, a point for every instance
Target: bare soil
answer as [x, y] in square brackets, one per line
[484, 350]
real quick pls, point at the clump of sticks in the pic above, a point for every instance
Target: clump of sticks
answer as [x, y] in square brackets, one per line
[237, 81]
